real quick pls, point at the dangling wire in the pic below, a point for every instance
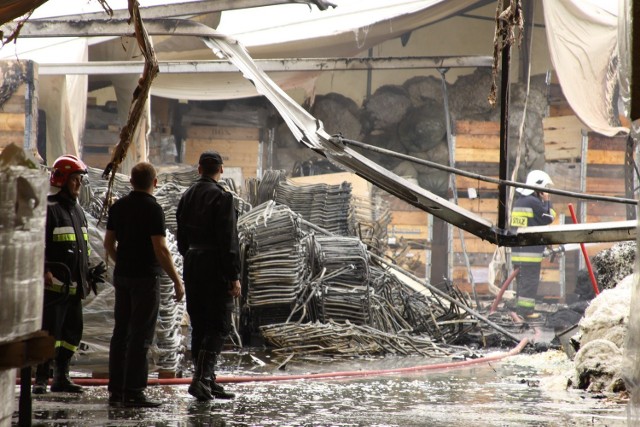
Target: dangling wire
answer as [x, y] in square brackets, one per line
[140, 96]
[506, 22]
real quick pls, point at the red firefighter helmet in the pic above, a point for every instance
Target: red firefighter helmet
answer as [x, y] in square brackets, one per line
[63, 167]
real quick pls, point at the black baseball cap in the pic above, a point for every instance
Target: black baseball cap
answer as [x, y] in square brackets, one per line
[210, 158]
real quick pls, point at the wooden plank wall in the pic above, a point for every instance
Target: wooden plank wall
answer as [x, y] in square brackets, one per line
[605, 176]
[239, 147]
[477, 150]
[604, 157]
[408, 234]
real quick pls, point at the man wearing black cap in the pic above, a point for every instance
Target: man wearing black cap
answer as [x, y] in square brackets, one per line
[208, 241]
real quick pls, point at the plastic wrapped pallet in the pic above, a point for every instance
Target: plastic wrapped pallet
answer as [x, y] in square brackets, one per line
[23, 193]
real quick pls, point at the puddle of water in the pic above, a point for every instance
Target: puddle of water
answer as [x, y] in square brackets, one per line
[516, 392]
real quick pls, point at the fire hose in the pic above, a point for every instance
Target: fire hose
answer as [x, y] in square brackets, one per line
[326, 375]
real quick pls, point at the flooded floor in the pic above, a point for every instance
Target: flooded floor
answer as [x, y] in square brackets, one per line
[522, 390]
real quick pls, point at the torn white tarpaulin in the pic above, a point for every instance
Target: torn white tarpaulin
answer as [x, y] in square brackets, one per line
[295, 31]
[352, 27]
[583, 43]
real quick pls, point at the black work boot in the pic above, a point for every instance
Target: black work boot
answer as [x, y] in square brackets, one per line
[199, 387]
[61, 381]
[139, 400]
[217, 391]
[42, 378]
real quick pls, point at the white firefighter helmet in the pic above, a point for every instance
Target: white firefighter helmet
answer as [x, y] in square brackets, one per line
[535, 177]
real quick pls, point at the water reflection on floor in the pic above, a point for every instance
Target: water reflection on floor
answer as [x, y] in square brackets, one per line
[520, 391]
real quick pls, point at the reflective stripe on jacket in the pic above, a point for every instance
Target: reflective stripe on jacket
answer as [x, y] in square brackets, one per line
[67, 242]
[530, 211]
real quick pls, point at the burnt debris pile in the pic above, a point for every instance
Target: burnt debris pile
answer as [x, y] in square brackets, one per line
[314, 293]
[606, 337]
[613, 265]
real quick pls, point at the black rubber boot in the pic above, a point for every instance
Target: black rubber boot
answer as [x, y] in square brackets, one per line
[199, 387]
[217, 391]
[61, 381]
[42, 378]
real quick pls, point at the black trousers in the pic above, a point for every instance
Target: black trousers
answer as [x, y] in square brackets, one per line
[62, 318]
[209, 304]
[135, 315]
[528, 278]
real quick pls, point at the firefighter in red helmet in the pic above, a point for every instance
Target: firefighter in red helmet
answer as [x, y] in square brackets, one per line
[67, 274]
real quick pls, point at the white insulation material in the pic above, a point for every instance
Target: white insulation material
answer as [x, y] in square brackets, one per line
[599, 362]
[607, 316]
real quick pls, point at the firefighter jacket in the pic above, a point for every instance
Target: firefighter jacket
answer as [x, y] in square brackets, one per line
[207, 220]
[529, 211]
[67, 242]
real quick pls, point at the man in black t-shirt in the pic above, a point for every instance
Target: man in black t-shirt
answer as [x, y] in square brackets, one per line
[135, 238]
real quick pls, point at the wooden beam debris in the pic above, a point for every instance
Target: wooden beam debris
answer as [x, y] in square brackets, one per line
[26, 350]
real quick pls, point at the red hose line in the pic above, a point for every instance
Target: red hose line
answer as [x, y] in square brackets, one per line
[340, 374]
[585, 255]
[504, 287]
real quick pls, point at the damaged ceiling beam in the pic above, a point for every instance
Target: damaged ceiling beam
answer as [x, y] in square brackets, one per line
[192, 8]
[268, 65]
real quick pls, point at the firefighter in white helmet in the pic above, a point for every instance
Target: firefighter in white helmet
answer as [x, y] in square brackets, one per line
[531, 208]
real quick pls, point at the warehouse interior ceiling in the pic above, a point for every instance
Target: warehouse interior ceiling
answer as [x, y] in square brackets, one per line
[303, 31]
[579, 33]
[346, 31]
[353, 31]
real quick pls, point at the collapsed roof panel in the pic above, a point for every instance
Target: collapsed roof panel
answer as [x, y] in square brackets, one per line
[310, 132]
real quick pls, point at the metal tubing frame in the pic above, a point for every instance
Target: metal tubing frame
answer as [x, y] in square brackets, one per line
[268, 65]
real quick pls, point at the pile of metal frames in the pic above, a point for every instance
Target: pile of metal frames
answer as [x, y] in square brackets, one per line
[263, 190]
[346, 340]
[327, 206]
[340, 267]
[324, 279]
[275, 259]
[169, 339]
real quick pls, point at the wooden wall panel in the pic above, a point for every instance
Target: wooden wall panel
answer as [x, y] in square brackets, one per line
[477, 146]
[562, 138]
[235, 153]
